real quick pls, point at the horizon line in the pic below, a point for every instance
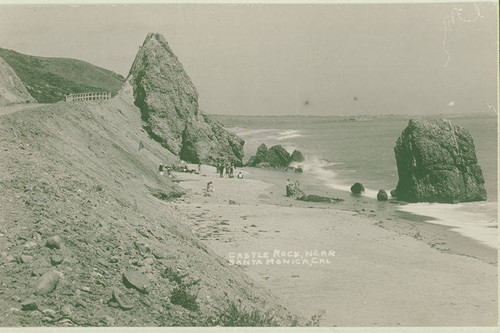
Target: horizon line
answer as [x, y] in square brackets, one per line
[483, 113]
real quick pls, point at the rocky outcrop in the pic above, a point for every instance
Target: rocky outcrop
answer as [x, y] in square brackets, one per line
[259, 157]
[169, 108]
[357, 188]
[205, 140]
[275, 157]
[437, 162]
[12, 89]
[319, 198]
[294, 191]
[297, 156]
[382, 195]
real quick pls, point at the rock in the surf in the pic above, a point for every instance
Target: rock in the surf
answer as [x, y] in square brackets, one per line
[437, 162]
[382, 195]
[357, 188]
[297, 156]
[277, 157]
[259, 157]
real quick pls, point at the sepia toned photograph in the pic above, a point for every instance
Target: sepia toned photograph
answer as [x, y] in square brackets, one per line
[249, 165]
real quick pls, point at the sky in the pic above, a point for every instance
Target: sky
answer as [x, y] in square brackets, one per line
[323, 59]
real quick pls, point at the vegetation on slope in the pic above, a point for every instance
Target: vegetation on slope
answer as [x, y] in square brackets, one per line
[49, 79]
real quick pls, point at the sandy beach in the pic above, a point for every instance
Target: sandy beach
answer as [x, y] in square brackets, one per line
[352, 264]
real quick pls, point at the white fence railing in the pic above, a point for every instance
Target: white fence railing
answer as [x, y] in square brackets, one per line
[93, 96]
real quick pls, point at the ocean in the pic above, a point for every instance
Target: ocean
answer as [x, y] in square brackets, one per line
[342, 150]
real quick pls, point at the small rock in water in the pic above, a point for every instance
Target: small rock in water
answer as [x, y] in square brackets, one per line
[56, 259]
[382, 195]
[48, 282]
[136, 280]
[394, 193]
[53, 242]
[29, 305]
[357, 188]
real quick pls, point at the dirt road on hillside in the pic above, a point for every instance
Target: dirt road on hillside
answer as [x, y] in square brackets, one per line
[15, 108]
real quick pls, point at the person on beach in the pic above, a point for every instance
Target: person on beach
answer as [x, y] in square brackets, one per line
[240, 175]
[160, 168]
[289, 187]
[209, 189]
[221, 170]
[231, 171]
[199, 167]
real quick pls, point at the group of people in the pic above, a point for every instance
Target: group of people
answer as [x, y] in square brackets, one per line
[228, 169]
[183, 167]
[162, 168]
[293, 189]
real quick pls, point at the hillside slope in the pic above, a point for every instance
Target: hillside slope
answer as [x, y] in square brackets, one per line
[49, 79]
[88, 174]
[12, 89]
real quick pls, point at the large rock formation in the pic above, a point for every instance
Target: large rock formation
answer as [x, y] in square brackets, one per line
[437, 163]
[277, 157]
[259, 157]
[297, 156]
[12, 89]
[205, 140]
[169, 107]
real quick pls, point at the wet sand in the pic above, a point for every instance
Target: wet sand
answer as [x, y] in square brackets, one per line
[371, 267]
